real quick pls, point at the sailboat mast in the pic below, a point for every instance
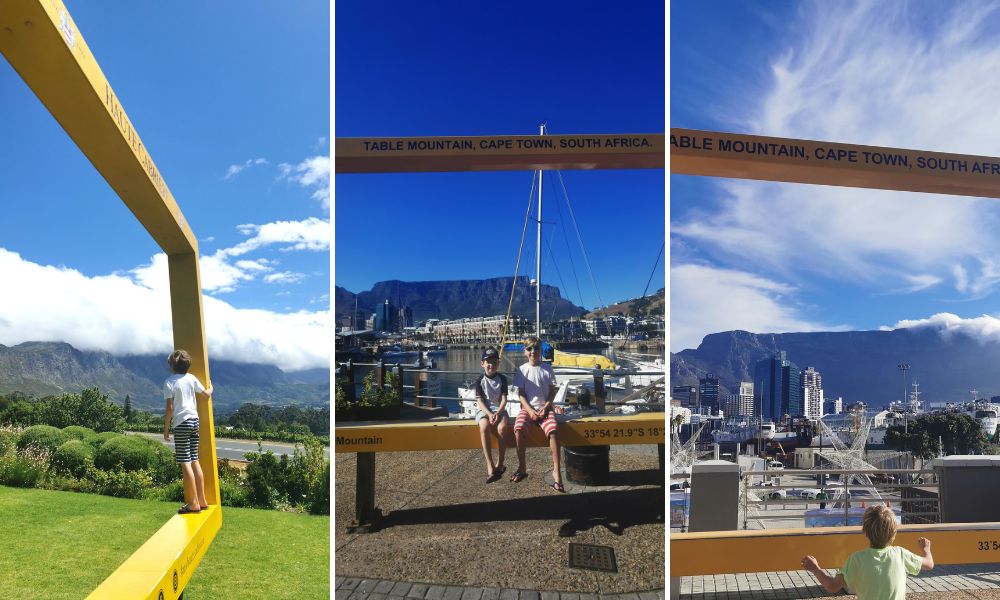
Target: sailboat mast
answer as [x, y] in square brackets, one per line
[538, 254]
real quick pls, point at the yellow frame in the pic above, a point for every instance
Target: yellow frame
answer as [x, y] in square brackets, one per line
[41, 42]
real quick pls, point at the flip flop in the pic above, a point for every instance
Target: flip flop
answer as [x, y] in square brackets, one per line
[518, 477]
[497, 474]
[184, 510]
[557, 486]
[204, 507]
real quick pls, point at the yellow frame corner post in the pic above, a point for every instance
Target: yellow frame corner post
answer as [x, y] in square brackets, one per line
[42, 43]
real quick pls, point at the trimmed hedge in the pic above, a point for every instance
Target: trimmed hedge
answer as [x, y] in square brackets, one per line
[125, 452]
[73, 458]
[79, 432]
[42, 436]
[97, 440]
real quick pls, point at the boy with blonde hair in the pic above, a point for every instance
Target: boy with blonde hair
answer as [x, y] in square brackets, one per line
[879, 572]
[182, 410]
[536, 389]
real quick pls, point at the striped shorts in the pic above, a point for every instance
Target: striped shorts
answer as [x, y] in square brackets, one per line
[186, 441]
[548, 424]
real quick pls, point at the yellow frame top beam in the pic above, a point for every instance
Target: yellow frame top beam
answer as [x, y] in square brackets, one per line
[500, 153]
[714, 154]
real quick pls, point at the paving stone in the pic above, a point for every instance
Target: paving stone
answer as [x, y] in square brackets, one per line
[400, 589]
[508, 594]
[356, 595]
[349, 583]
[384, 587]
[367, 586]
[417, 590]
[435, 592]
[549, 595]
[452, 592]
[337, 581]
[491, 594]
[529, 595]
[342, 594]
[472, 593]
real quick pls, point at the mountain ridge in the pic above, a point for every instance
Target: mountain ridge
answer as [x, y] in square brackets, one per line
[46, 368]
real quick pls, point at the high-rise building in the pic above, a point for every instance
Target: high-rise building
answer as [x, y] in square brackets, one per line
[746, 405]
[405, 317]
[708, 393]
[777, 385]
[812, 392]
[687, 394]
[386, 317]
[833, 407]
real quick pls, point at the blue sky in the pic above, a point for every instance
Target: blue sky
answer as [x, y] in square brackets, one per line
[777, 257]
[459, 68]
[234, 107]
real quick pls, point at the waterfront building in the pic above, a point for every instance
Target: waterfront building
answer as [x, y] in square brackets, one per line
[479, 329]
[812, 392]
[834, 406]
[405, 317]
[708, 393]
[777, 385]
[370, 322]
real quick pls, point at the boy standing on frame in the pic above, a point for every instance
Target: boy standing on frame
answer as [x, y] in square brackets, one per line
[179, 391]
[536, 388]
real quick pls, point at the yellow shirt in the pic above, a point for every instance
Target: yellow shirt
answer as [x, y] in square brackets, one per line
[880, 573]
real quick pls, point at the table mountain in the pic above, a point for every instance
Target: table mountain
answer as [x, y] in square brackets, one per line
[458, 299]
[857, 365]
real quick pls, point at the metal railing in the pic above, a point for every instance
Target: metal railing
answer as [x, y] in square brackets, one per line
[910, 488]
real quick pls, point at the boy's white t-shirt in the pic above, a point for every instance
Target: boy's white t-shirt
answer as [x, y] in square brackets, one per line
[536, 381]
[182, 389]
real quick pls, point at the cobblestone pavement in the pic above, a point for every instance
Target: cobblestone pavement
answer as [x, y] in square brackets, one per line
[944, 582]
[357, 588]
[445, 530]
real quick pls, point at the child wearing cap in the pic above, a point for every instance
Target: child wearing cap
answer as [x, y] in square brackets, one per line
[491, 395]
[880, 571]
[536, 390]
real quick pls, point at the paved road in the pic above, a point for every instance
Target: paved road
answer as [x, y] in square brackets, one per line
[235, 449]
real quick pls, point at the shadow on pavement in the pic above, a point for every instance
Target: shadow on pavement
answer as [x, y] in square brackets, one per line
[617, 510]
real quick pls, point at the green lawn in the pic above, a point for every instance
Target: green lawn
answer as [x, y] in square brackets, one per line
[62, 545]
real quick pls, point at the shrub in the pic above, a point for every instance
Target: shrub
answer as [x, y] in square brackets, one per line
[130, 453]
[8, 438]
[79, 432]
[43, 437]
[163, 467]
[123, 484]
[74, 457]
[99, 439]
[265, 481]
[25, 468]
[234, 493]
[319, 495]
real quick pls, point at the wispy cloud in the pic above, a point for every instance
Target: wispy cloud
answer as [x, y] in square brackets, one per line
[711, 299]
[235, 170]
[129, 313]
[878, 73]
[312, 173]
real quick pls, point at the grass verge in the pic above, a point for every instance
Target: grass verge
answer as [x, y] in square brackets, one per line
[62, 545]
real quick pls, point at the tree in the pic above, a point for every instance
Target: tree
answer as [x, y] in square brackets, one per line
[128, 408]
[958, 432]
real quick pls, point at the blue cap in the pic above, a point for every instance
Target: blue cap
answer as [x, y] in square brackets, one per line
[490, 353]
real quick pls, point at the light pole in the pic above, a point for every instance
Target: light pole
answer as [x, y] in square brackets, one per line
[903, 368]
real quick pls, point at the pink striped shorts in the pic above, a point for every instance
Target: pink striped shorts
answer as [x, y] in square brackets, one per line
[548, 425]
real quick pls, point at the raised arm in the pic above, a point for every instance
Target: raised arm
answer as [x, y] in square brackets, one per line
[928, 559]
[831, 584]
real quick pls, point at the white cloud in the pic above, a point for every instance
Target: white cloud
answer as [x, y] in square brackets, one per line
[882, 74]
[707, 300]
[311, 234]
[234, 170]
[312, 173]
[284, 277]
[124, 315]
[985, 328]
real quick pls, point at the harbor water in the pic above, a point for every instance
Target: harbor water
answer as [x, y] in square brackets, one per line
[466, 361]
